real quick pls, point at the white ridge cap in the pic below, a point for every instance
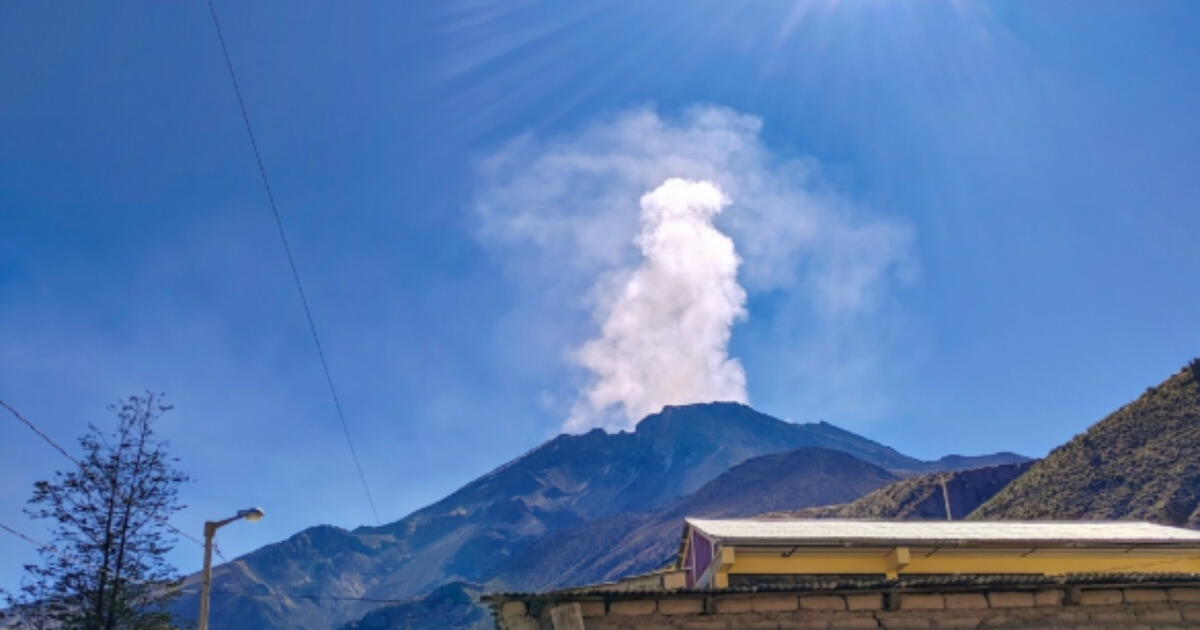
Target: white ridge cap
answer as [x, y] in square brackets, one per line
[837, 531]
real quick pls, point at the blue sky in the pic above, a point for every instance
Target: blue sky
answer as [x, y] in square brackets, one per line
[1039, 157]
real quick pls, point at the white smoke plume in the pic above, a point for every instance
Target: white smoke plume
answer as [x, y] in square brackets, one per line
[561, 214]
[667, 323]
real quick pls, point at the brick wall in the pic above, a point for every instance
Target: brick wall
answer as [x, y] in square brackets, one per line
[1134, 607]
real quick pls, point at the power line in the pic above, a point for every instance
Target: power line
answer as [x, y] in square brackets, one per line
[49, 440]
[234, 593]
[216, 548]
[373, 600]
[40, 433]
[287, 248]
[332, 598]
[169, 526]
[453, 609]
[39, 545]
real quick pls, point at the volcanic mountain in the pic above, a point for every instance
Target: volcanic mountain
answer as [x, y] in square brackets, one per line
[629, 543]
[324, 577]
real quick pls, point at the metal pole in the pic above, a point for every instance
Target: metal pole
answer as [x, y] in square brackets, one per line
[210, 529]
[946, 498]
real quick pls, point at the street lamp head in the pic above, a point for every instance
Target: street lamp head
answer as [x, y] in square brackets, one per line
[252, 514]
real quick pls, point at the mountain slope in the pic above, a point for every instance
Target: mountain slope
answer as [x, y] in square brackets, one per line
[922, 497]
[576, 478]
[1142, 461]
[626, 544]
[306, 581]
[454, 606]
[468, 536]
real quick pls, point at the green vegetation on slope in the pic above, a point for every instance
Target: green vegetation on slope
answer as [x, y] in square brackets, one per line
[1141, 462]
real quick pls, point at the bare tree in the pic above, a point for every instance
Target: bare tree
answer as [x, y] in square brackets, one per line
[105, 569]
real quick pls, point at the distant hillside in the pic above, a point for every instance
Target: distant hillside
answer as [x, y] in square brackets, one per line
[974, 462]
[454, 606]
[1141, 462]
[626, 544]
[922, 497]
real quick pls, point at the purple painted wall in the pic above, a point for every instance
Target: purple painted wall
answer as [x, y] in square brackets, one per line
[701, 557]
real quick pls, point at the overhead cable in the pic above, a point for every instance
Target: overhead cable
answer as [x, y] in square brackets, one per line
[39, 545]
[49, 440]
[33, 427]
[287, 249]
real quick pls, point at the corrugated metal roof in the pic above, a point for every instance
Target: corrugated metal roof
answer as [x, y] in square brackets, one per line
[829, 531]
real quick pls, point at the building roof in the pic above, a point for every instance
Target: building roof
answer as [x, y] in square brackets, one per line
[843, 532]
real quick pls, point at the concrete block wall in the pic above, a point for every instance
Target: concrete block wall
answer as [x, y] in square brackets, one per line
[1133, 607]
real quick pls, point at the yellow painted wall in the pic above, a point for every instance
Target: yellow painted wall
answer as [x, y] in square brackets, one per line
[991, 561]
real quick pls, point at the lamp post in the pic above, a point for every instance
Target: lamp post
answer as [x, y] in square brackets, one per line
[210, 530]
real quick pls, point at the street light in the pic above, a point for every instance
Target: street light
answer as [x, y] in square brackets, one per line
[210, 530]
